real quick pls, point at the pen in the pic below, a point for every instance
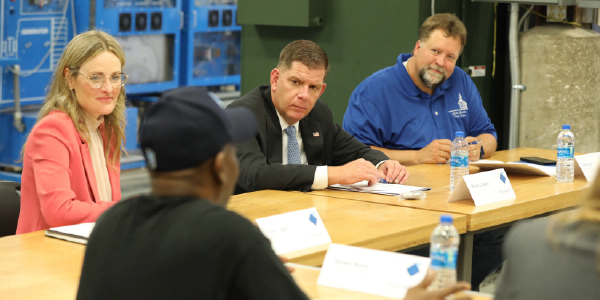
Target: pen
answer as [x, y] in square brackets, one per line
[382, 181]
[476, 142]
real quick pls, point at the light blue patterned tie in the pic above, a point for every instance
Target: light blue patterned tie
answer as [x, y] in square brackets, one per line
[293, 150]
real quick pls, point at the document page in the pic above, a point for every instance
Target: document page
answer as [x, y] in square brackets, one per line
[378, 188]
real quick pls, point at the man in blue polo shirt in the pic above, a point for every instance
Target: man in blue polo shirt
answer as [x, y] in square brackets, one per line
[411, 111]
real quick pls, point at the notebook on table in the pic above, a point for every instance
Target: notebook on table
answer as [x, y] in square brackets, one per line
[73, 233]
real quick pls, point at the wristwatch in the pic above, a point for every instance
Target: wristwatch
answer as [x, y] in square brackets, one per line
[481, 152]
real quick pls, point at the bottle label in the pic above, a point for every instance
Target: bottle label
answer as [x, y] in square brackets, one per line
[459, 161]
[566, 153]
[443, 259]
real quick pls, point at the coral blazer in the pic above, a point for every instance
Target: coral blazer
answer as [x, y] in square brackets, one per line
[58, 184]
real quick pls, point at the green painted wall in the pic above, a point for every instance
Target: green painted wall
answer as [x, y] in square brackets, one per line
[360, 38]
[478, 17]
[302, 13]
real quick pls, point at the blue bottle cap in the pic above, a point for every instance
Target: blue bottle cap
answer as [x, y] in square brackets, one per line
[445, 219]
[459, 134]
[566, 127]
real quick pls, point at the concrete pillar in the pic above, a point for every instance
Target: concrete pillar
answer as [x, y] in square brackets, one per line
[560, 66]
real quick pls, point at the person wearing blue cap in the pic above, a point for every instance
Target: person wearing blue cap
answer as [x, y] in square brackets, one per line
[411, 110]
[298, 146]
[180, 242]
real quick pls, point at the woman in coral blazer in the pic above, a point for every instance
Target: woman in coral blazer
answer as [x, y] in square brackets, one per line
[71, 158]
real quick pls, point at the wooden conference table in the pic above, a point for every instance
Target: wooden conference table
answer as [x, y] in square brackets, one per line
[536, 196]
[355, 223]
[33, 266]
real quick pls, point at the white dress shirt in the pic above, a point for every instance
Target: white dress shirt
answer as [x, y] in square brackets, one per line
[321, 180]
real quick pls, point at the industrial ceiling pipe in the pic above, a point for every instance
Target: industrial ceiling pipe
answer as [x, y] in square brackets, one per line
[515, 77]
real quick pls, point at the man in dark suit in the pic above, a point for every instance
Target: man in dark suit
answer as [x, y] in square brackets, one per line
[298, 147]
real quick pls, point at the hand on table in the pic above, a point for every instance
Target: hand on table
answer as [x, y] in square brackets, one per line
[353, 172]
[437, 152]
[474, 150]
[393, 172]
[420, 292]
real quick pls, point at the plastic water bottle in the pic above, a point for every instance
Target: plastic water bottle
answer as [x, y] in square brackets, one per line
[459, 160]
[444, 253]
[565, 166]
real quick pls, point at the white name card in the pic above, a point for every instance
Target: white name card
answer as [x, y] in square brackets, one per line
[377, 272]
[294, 231]
[484, 188]
[588, 164]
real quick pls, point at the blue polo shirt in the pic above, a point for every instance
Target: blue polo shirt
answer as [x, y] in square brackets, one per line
[388, 110]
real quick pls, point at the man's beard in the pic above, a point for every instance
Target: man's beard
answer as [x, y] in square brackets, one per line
[432, 81]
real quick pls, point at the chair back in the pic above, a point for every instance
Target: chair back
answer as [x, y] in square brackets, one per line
[10, 206]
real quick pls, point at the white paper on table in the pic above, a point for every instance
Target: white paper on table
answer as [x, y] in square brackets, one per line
[588, 164]
[484, 188]
[73, 233]
[515, 167]
[486, 161]
[391, 189]
[550, 170]
[295, 230]
[377, 272]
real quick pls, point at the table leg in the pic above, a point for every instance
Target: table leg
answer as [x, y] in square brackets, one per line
[465, 257]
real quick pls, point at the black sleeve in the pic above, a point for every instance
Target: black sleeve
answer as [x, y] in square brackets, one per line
[261, 275]
[256, 174]
[347, 149]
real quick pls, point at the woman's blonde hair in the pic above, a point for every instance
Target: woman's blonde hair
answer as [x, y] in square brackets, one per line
[589, 212]
[80, 50]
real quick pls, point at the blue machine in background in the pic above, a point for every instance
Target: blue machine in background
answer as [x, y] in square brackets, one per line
[211, 44]
[35, 32]
[149, 31]
[33, 35]
[167, 43]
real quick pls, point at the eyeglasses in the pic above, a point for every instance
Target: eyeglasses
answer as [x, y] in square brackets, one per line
[97, 80]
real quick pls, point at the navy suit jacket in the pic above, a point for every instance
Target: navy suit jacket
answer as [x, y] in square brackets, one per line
[325, 143]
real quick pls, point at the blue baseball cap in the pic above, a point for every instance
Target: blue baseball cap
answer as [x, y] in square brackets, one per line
[187, 126]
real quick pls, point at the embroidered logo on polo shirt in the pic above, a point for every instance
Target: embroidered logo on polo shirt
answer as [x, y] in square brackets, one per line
[462, 103]
[462, 111]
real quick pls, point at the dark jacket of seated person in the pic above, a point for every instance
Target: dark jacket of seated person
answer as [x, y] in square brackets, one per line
[325, 144]
[180, 242]
[555, 258]
[298, 146]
